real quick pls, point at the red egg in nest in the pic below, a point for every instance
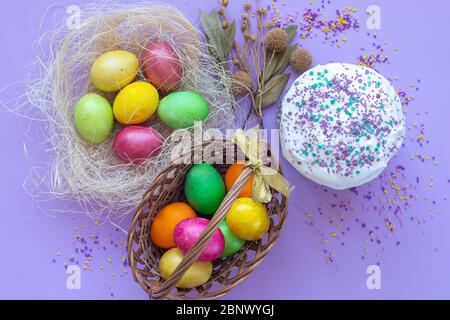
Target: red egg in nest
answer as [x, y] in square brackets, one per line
[161, 66]
[135, 144]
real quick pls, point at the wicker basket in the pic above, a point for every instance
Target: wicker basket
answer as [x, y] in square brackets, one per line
[227, 273]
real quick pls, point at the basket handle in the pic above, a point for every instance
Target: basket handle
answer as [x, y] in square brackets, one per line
[193, 254]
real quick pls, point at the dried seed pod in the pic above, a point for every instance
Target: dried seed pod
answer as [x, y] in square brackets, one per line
[225, 24]
[225, 3]
[277, 40]
[241, 83]
[247, 6]
[221, 12]
[301, 60]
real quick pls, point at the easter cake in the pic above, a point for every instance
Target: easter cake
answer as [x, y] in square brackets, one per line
[341, 124]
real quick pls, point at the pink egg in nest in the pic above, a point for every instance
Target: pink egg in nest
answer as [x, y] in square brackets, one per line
[187, 233]
[161, 66]
[135, 144]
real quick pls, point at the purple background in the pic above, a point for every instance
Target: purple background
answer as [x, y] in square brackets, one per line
[414, 262]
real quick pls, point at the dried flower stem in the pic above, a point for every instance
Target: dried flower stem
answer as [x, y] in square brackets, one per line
[236, 52]
[251, 58]
[259, 71]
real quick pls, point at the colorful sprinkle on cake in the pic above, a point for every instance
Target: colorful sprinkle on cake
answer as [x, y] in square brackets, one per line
[341, 124]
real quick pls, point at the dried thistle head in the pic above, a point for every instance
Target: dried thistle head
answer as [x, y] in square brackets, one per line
[277, 40]
[241, 83]
[301, 60]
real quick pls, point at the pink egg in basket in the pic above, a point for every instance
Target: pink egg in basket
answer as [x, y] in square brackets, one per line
[187, 233]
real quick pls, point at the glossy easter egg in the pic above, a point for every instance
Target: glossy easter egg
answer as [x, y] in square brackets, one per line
[248, 220]
[204, 188]
[187, 233]
[93, 118]
[233, 173]
[136, 103]
[232, 243]
[182, 109]
[198, 274]
[114, 70]
[161, 66]
[135, 144]
[163, 226]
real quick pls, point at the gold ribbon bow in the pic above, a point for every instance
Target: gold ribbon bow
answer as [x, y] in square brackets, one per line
[264, 177]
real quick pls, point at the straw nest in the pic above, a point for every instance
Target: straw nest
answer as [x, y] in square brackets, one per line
[91, 175]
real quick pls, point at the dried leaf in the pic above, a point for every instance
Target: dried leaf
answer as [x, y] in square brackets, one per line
[284, 60]
[291, 30]
[214, 31]
[278, 63]
[270, 64]
[273, 90]
[230, 35]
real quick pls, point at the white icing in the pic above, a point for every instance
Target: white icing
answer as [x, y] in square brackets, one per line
[342, 134]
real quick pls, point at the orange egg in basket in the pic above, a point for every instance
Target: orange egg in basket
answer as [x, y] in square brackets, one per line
[163, 226]
[232, 175]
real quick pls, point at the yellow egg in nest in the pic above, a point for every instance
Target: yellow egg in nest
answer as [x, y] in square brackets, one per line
[136, 103]
[114, 70]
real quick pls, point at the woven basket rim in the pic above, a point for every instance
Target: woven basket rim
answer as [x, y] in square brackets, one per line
[152, 287]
